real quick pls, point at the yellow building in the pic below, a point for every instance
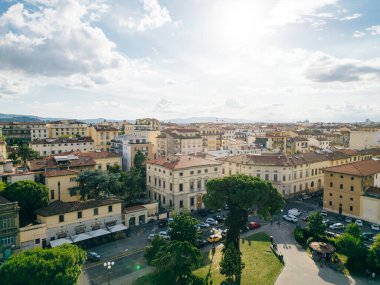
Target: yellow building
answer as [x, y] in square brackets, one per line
[9, 228]
[180, 181]
[3, 149]
[62, 145]
[364, 138]
[353, 190]
[33, 236]
[72, 222]
[60, 182]
[102, 136]
[67, 129]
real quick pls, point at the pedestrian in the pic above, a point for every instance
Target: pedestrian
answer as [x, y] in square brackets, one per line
[271, 222]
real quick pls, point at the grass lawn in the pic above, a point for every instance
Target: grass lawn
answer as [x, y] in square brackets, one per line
[261, 265]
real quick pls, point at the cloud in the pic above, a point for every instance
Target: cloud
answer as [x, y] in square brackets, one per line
[232, 103]
[358, 34]
[350, 17]
[375, 30]
[325, 68]
[154, 16]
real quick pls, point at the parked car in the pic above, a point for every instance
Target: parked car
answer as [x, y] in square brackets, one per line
[219, 218]
[93, 256]
[327, 222]
[164, 235]
[336, 226]
[226, 208]
[368, 235]
[211, 221]
[214, 238]
[359, 223]
[204, 225]
[290, 218]
[162, 223]
[375, 227]
[294, 212]
[299, 197]
[200, 243]
[151, 237]
[324, 213]
[331, 234]
[306, 197]
[253, 225]
[348, 220]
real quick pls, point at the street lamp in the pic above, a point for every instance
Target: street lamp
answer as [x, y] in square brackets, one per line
[109, 265]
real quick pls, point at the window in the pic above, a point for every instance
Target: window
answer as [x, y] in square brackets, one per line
[331, 175]
[164, 184]
[266, 176]
[163, 200]
[352, 188]
[199, 184]
[110, 208]
[352, 178]
[283, 177]
[206, 170]
[96, 211]
[99, 167]
[171, 187]
[181, 174]
[330, 194]
[222, 170]
[180, 187]
[108, 167]
[181, 203]
[351, 208]
[52, 195]
[191, 172]
[6, 223]
[340, 196]
[341, 186]
[149, 179]
[331, 184]
[191, 185]
[341, 177]
[61, 218]
[351, 199]
[79, 215]
[192, 201]
[216, 169]
[73, 179]
[330, 203]
[275, 177]
[155, 196]
[199, 171]
[37, 241]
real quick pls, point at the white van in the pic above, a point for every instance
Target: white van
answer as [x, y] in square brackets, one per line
[294, 212]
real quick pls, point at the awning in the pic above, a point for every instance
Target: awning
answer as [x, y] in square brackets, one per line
[98, 233]
[117, 228]
[60, 241]
[81, 237]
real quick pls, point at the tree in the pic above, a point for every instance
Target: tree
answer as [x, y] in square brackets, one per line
[30, 197]
[152, 250]
[183, 228]
[134, 184]
[373, 259]
[355, 250]
[139, 160]
[231, 264]
[25, 153]
[175, 262]
[2, 186]
[354, 230]
[240, 192]
[60, 266]
[115, 169]
[315, 226]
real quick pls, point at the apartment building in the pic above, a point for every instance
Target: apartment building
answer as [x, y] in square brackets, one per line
[149, 131]
[47, 147]
[183, 141]
[39, 131]
[364, 138]
[354, 190]
[151, 123]
[3, 149]
[79, 161]
[102, 136]
[212, 138]
[128, 146]
[15, 132]
[297, 145]
[73, 222]
[61, 184]
[180, 181]
[9, 228]
[67, 128]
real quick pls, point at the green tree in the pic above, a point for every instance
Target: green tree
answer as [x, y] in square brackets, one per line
[373, 259]
[355, 250]
[152, 249]
[183, 228]
[25, 153]
[2, 186]
[139, 160]
[134, 184]
[240, 192]
[175, 261]
[115, 169]
[60, 266]
[315, 226]
[13, 157]
[30, 197]
[354, 230]
[231, 265]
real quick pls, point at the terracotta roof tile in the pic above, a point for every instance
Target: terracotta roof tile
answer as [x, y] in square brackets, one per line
[359, 168]
[183, 161]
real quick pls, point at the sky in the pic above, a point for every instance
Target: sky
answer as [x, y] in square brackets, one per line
[267, 60]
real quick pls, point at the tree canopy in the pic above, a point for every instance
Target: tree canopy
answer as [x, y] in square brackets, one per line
[183, 228]
[25, 153]
[60, 266]
[30, 197]
[374, 255]
[231, 264]
[315, 226]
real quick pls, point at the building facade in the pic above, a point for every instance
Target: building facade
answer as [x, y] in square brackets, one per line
[103, 135]
[365, 138]
[67, 129]
[179, 182]
[47, 147]
[9, 228]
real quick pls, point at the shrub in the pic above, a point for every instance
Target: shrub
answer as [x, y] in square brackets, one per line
[298, 235]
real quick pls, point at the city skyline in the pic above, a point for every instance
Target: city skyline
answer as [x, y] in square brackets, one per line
[269, 61]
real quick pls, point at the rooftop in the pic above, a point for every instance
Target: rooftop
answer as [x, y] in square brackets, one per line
[183, 161]
[359, 168]
[59, 207]
[60, 172]
[63, 140]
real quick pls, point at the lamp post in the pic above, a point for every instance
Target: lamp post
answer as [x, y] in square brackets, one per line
[108, 265]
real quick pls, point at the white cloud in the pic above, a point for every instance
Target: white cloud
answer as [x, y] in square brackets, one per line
[154, 16]
[374, 30]
[351, 17]
[358, 34]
